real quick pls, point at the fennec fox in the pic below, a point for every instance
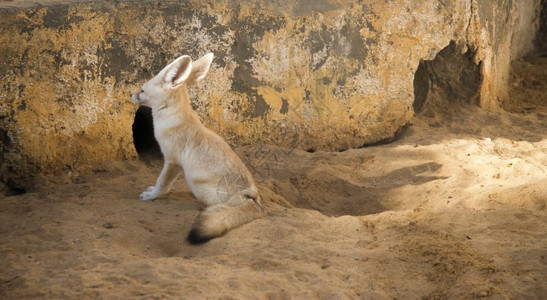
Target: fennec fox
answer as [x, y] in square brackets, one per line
[214, 173]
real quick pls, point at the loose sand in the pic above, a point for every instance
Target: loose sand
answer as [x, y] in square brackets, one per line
[456, 209]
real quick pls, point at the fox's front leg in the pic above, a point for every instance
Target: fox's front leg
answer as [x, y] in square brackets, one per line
[168, 175]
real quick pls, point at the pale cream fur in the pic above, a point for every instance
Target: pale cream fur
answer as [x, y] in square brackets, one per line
[213, 172]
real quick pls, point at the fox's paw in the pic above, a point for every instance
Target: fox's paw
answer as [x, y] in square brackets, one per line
[149, 194]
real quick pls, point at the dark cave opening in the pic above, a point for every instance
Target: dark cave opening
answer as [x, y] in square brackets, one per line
[143, 134]
[451, 78]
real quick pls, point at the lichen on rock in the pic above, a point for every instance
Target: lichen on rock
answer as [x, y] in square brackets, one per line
[323, 74]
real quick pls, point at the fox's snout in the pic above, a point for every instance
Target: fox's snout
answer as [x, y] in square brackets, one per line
[135, 98]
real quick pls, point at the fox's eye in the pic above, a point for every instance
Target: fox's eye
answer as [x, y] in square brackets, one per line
[142, 91]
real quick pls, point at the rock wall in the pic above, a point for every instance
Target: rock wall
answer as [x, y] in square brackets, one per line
[325, 74]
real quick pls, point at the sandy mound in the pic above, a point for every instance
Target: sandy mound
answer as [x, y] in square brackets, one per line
[454, 209]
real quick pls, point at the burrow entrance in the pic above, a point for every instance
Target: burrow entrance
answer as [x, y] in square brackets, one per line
[451, 79]
[143, 135]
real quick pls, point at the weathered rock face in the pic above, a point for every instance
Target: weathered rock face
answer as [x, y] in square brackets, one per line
[309, 74]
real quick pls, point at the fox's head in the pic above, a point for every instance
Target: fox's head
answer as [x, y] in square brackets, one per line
[183, 72]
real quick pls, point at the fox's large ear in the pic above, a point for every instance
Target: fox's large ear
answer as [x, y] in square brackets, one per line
[178, 71]
[200, 68]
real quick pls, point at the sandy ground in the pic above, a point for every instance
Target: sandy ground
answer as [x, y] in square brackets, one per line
[455, 209]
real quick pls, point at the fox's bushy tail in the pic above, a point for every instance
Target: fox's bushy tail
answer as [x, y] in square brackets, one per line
[217, 220]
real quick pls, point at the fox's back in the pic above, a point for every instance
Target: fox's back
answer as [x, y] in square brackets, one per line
[210, 164]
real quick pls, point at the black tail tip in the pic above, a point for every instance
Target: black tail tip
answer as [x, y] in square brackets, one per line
[196, 238]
